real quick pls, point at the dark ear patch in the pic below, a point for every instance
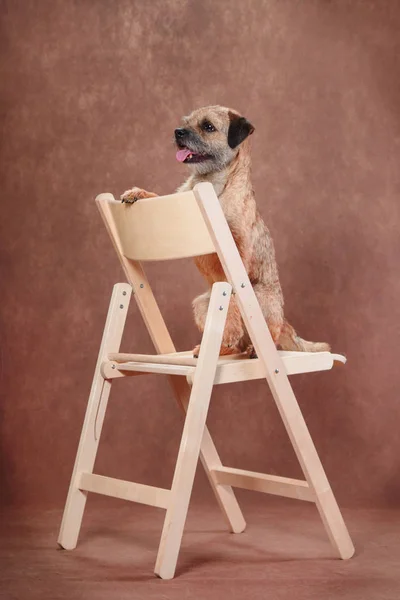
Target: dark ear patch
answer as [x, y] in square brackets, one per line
[239, 129]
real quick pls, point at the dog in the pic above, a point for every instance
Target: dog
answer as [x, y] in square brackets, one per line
[214, 142]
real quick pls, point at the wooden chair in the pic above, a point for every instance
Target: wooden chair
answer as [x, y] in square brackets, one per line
[171, 227]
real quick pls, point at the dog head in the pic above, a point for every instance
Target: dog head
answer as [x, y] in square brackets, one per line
[210, 138]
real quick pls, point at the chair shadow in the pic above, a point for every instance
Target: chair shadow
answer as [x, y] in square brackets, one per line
[192, 555]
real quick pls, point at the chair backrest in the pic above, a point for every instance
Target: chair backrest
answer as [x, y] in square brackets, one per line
[178, 226]
[160, 228]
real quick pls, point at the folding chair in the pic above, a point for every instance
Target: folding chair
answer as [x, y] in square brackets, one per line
[171, 227]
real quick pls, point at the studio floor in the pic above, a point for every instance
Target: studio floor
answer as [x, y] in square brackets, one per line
[283, 554]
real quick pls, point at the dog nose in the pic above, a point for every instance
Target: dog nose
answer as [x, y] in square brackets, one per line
[180, 133]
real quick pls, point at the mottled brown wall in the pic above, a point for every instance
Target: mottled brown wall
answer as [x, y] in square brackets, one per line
[90, 94]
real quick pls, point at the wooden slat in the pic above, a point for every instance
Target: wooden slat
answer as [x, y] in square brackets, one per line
[293, 362]
[230, 368]
[244, 369]
[306, 362]
[154, 368]
[125, 490]
[160, 228]
[268, 484]
[166, 359]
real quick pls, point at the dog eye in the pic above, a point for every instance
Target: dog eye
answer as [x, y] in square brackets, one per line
[207, 126]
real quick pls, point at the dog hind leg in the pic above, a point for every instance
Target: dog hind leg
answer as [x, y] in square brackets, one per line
[289, 340]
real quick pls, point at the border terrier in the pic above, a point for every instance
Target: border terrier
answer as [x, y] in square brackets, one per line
[214, 142]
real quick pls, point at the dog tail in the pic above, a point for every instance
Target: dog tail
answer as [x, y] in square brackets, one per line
[289, 340]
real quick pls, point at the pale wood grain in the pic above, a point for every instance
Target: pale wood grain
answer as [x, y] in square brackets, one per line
[268, 484]
[165, 359]
[161, 228]
[125, 490]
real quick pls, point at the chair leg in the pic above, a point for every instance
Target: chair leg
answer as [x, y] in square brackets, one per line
[274, 370]
[95, 412]
[224, 493]
[334, 524]
[314, 472]
[210, 460]
[193, 432]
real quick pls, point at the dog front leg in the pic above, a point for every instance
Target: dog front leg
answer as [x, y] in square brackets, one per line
[271, 303]
[234, 329]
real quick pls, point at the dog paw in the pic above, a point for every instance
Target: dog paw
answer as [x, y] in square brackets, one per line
[133, 195]
[196, 351]
[228, 349]
[251, 352]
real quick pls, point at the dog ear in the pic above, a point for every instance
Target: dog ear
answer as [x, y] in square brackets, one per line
[239, 129]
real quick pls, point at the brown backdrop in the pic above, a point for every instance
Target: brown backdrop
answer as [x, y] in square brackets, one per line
[91, 92]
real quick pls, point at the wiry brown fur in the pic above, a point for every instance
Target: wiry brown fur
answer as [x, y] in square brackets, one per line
[229, 170]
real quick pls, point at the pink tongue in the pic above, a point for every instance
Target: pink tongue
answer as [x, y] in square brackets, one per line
[182, 155]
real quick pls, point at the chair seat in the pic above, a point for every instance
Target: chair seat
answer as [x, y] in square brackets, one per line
[230, 369]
